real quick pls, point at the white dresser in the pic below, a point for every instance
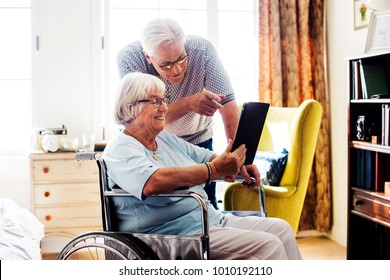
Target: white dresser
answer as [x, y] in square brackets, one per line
[65, 194]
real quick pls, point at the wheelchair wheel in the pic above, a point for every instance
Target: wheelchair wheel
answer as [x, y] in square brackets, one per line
[107, 246]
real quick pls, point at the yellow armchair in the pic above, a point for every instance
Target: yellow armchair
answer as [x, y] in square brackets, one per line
[295, 129]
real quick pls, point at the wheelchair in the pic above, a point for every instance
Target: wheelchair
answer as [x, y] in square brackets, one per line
[110, 244]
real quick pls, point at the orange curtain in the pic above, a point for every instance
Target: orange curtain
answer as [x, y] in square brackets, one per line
[291, 70]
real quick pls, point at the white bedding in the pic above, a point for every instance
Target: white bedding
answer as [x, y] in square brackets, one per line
[20, 232]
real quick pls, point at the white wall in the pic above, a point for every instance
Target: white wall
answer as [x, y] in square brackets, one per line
[15, 179]
[70, 90]
[343, 41]
[67, 81]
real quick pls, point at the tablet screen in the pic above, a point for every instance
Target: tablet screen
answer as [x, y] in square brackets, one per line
[249, 128]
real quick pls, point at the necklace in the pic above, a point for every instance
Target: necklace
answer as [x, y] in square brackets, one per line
[154, 153]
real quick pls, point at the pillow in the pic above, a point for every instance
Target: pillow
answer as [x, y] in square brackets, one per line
[271, 166]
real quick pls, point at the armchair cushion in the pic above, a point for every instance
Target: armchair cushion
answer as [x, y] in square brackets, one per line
[280, 191]
[271, 166]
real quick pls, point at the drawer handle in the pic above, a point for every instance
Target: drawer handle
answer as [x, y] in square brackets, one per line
[357, 202]
[48, 218]
[47, 194]
[46, 170]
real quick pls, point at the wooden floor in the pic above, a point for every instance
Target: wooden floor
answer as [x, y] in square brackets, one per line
[312, 248]
[320, 248]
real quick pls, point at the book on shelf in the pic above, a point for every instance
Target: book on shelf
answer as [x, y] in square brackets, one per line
[362, 80]
[366, 171]
[360, 168]
[355, 80]
[385, 124]
[369, 170]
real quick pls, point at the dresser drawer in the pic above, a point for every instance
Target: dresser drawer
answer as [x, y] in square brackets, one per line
[64, 171]
[371, 206]
[65, 196]
[62, 194]
[86, 216]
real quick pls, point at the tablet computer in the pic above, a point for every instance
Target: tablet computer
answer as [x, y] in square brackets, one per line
[249, 128]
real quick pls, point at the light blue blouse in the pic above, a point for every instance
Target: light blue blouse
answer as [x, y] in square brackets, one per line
[129, 166]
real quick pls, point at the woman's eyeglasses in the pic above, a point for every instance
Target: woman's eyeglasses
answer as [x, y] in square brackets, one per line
[155, 101]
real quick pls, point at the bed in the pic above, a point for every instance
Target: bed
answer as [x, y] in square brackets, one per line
[20, 232]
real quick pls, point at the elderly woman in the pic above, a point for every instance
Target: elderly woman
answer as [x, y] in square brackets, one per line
[144, 159]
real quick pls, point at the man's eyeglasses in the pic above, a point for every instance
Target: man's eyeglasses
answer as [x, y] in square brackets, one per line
[155, 102]
[168, 66]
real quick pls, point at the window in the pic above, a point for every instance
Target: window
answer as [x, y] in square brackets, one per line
[235, 40]
[15, 75]
[230, 25]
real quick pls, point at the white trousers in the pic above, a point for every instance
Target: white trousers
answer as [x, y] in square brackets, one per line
[245, 238]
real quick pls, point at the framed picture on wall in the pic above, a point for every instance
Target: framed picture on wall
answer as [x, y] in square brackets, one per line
[362, 14]
[378, 36]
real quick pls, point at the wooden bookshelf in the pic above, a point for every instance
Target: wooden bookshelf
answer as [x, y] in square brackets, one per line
[368, 235]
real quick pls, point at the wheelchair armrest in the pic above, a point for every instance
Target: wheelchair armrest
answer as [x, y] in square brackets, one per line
[117, 191]
[262, 212]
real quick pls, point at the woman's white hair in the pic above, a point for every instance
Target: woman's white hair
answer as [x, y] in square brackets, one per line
[132, 87]
[161, 31]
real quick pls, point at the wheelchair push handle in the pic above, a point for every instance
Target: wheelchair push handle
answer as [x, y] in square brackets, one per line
[87, 155]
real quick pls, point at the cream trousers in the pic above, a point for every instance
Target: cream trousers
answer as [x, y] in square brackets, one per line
[246, 238]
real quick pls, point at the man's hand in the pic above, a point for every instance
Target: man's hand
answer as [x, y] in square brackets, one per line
[249, 172]
[206, 103]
